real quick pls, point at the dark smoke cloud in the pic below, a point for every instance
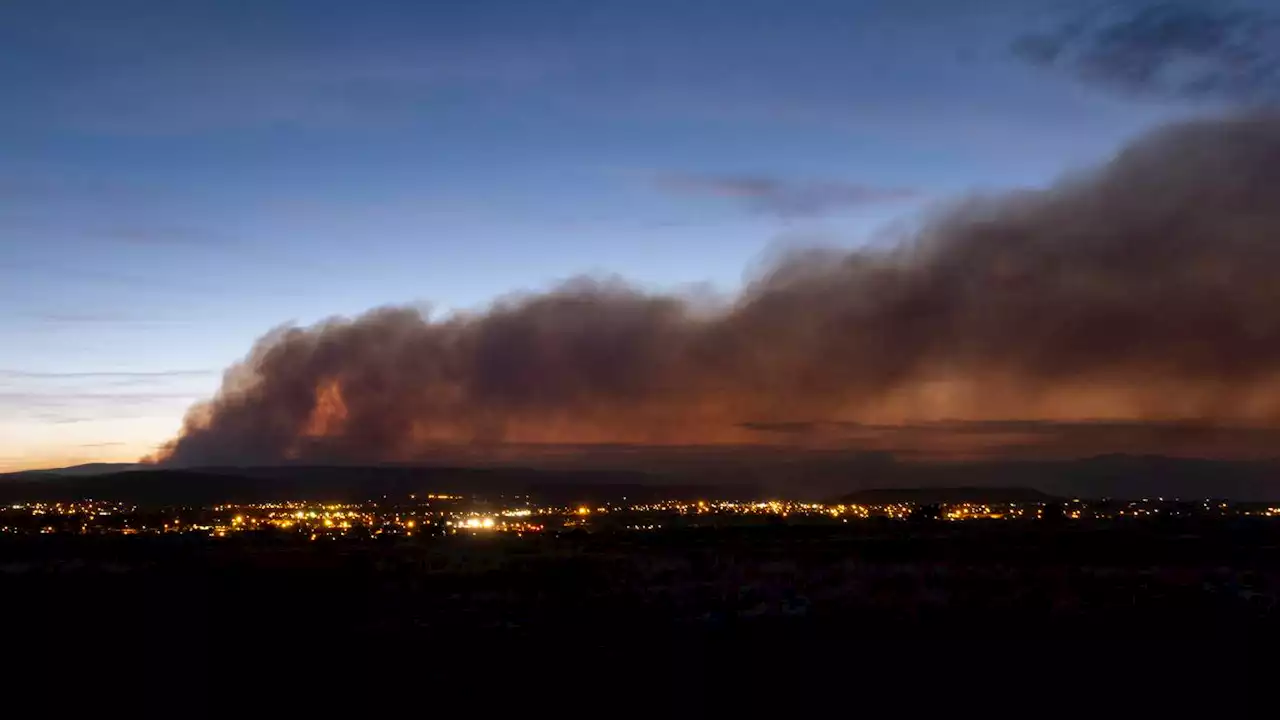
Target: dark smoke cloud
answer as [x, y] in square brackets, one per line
[1187, 50]
[781, 197]
[1145, 292]
[1038, 439]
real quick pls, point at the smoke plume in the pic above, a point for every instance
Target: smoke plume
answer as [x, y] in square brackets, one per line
[1147, 291]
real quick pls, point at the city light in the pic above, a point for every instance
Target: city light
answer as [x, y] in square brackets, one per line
[323, 521]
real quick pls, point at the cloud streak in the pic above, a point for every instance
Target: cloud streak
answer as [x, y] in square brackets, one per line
[103, 374]
[166, 235]
[77, 398]
[305, 88]
[785, 198]
[1199, 51]
[99, 318]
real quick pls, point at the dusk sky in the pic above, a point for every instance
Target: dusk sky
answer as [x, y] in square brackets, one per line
[178, 178]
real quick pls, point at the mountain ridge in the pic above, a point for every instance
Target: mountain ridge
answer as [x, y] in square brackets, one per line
[797, 476]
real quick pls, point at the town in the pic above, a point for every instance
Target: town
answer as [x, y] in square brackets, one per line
[439, 515]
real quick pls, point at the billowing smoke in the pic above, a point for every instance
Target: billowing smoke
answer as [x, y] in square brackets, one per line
[1148, 291]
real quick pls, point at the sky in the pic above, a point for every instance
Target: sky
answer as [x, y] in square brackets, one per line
[177, 178]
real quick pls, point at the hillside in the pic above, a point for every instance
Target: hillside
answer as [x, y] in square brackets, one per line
[350, 484]
[882, 496]
[796, 476]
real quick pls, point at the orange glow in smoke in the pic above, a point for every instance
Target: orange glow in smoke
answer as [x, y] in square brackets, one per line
[330, 411]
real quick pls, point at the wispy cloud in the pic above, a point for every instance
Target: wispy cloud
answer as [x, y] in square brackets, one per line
[56, 418]
[97, 374]
[162, 235]
[786, 198]
[70, 399]
[78, 396]
[48, 402]
[307, 88]
[1221, 51]
[98, 318]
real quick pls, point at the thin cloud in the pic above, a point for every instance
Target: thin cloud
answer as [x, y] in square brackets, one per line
[39, 181]
[98, 318]
[306, 88]
[109, 374]
[1226, 52]
[69, 399]
[74, 405]
[786, 198]
[165, 235]
[56, 418]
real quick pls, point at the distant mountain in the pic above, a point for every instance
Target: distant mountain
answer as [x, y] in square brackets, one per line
[204, 486]
[87, 469]
[1106, 476]
[923, 496]
[718, 473]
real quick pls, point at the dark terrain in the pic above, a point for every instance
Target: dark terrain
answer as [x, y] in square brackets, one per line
[678, 473]
[704, 617]
[1021, 607]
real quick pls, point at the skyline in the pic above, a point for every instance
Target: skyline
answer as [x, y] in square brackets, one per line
[180, 178]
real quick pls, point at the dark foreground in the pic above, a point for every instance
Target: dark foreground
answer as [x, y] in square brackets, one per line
[1147, 612]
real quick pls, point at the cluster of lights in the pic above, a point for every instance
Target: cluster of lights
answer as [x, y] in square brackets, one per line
[978, 511]
[506, 522]
[83, 507]
[335, 520]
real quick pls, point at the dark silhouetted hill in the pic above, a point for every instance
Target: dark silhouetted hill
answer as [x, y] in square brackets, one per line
[352, 484]
[1107, 476]
[719, 473]
[922, 496]
[86, 469]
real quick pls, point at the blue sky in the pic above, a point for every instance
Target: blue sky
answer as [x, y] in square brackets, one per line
[177, 178]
